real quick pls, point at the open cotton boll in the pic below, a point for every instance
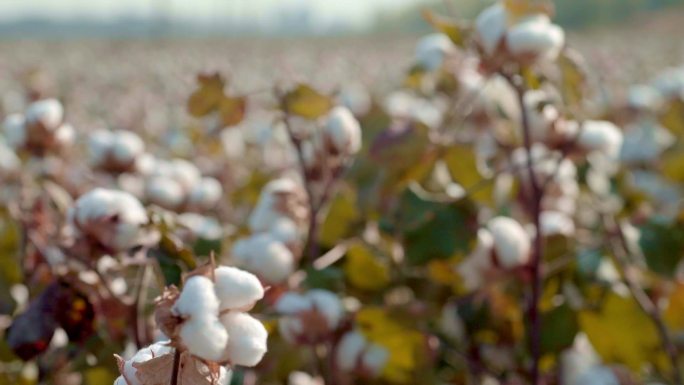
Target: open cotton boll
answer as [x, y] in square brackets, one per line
[597, 375]
[113, 217]
[201, 226]
[343, 131]
[142, 355]
[197, 298]
[511, 242]
[302, 378]
[9, 161]
[292, 303]
[601, 136]
[643, 97]
[185, 173]
[99, 142]
[578, 359]
[121, 381]
[14, 127]
[126, 146]
[48, 112]
[65, 135]
[490, 27]
[165, 192]
[374, 359]
[206, 194]
[536, 36]
[247, 343]
[349, 350]
[328, 304]
[236, 289]
[285, 230]
[432, 50]
[205, 336]
[264, 256]
[556, 223]
[670, 83]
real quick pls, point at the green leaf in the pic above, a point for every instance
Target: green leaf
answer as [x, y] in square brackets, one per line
[330, 278]
[662, 245]
[559, 327]
[433, 229]
[306, 102]
[462, 164]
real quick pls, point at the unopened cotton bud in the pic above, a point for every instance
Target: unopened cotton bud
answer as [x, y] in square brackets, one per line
[511, 242]
[247, 343]
[343, 131]
[349, 350]
[205, 336]
[165, 192]
[490, 27]
[536, 36]
[14, 127]
[47, 112]
[601, 136]
[432, 50]
[114, 218]
[264, 256]
[374, 359]
[197, 298]
[236, 289]
[206, 194]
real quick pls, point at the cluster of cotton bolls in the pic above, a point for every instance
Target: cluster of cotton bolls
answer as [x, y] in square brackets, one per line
[129, 368]
[503, 244]
[310, 317]
[115, 151]
[504, 33]
[40, 129]
[214, 325]
[178, 185]
[356, 354]
[110, 219]
[271, 251]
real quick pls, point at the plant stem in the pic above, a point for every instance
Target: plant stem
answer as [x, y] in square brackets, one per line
[176, 366]
[535, 208]
[621, 252]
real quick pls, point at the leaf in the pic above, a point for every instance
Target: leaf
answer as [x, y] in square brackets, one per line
[99, 375]
[340, 219]
[621, 332]
[674, 314]
[462, 164]
[208, 95]
[573, 77]
[158, 371]
[673, 166]
[458, 33]
[30, 333]
[662, 245]
[432, 229]
[673, 117]
[520, 8]
[232, 110]
[10, 270]
[364, 270]
[306, 102]
[75, 314]
[559, 327]
[330, 278]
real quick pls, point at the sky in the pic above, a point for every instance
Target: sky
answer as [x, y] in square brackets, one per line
[350, 13]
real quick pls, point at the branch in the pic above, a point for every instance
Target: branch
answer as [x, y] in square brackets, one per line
[176, 366]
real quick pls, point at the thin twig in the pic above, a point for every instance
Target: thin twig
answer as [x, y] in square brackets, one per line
[176, 366]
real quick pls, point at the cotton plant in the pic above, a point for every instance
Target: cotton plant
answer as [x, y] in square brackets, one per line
[115, 151]
[309, 317]
[208, 326]
[40, 129]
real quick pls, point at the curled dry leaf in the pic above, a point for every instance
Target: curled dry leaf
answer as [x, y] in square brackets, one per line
[166, 321]
[192, 371]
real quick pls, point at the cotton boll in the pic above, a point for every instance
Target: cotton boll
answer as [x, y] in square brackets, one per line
[536, 36]
[343, 131]
[206, 194]
[201, 226]
[205, 336]
[556, 223]
[275, 194]
[120, 381]
[185, 173]
[490, 27]
[355, 97]
[126, 147]
[65, 135]
[328, 304]
[236, 289]
[511, 242]
[14, 127]
[165, 192]
[99, 142]
[160, 348]
[301, 378]
[577, 360]
[197, 298]
[264, 256]
[9, 161]
[292, 303]
[247, 343]
[374, 359]
[643, 97]
[349, 350]
[233, 142]
[598, 375]
[285, 230]
[473, 267]
[432, 49]
[48, 112]
[601, 136]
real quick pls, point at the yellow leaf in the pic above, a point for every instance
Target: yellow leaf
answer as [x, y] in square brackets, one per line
[232, 110]
[520, 8]
[573, 76]
[306, 102]
[674, 314]
[462, 164]
[99, 375]
[673, 117]
[621, 332]
[208, 95]
[341, 215]
[456, 32]
[363, 269]
[403, 343]
[673, 166]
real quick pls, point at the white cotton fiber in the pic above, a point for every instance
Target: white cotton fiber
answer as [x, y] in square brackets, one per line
[236, 289]
[343, 131]
[197, 298]
[205, 336]
[247, 343]
[349, 350]
[328, 304]
[490, 27]
[375, 358]
[48, 112]
[511, 242]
